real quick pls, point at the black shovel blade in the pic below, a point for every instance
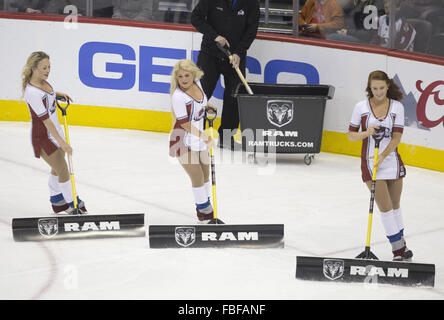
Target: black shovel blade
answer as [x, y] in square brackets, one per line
[78, 227]
[365, 271]
[217, 235]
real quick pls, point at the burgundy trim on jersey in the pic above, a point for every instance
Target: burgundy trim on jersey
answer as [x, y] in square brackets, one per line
[365, 171]
[177, 137]
[401, 168]
[398, 129]
[386, 114]
[39, 135]
[45, 103]
[353, 128]
[189, 107]
[180, 122]
[364, 119]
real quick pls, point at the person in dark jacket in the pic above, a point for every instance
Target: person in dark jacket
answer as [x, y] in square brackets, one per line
[233, 24]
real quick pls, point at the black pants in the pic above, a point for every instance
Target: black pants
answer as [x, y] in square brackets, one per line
[213, 67]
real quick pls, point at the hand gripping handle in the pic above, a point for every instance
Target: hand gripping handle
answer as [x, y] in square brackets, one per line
[378, 135]
[63, 109]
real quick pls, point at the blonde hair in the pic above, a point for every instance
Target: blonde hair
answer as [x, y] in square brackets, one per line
[31, 63]
[186, 65]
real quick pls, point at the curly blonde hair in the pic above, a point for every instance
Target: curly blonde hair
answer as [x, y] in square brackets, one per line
[186, 65]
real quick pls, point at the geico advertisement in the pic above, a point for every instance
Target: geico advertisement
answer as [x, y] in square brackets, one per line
[128, 67]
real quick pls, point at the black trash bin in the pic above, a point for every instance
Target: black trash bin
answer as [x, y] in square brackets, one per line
[283, 118]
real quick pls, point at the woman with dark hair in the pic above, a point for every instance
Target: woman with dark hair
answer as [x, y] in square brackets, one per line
[383, 114]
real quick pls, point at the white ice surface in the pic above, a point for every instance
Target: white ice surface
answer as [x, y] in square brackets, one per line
[324, 207]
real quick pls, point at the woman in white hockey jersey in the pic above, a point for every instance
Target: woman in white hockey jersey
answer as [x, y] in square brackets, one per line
[383, 113]
[188, 142]
[47, 137]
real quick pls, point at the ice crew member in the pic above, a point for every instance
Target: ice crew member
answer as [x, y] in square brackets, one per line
[47, 137]
[383, 110]
[234, 24]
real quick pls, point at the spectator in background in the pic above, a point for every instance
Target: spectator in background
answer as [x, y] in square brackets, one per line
[103, 8]
[28, 6]
[358, 27]
[58, 6]
[318, 18]
[404, 32]
[133, 9]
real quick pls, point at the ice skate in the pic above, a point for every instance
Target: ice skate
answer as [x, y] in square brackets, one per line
[81, 208]
[403, 254]
[204, 216]
[58, 203]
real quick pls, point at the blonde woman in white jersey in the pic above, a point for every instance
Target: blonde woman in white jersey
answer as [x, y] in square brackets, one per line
[47, 137]
[188, 142]
[383, 113]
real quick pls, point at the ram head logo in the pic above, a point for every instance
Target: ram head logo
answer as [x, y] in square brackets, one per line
[280, 112]
[48, 227]
[185, 236]
[333, 269]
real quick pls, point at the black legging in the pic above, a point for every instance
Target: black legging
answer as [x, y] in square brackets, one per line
[213, 67]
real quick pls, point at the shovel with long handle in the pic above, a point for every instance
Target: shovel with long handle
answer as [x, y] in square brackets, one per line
[367, 254]
[70, 166]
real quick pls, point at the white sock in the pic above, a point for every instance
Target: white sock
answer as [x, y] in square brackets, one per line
[200, 195]
[398, 217]
[394, 235]
[389, 222]
[66, 189]
[209, 189]
[53, 184]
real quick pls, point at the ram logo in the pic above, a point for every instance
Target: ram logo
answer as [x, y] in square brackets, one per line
[185, 236]
[280, 112]
[230, 236]
[48, 227]
[378, 271]
[333, 269]
[91, 226]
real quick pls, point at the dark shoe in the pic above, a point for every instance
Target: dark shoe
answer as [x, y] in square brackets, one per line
[204, 216]
[402, 254]
[58, 203]
[408, 254]
[80, 205]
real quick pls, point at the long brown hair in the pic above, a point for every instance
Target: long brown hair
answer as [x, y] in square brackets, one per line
[393, 90]
[31, 63]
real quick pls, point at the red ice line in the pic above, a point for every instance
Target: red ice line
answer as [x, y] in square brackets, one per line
[53, 272]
